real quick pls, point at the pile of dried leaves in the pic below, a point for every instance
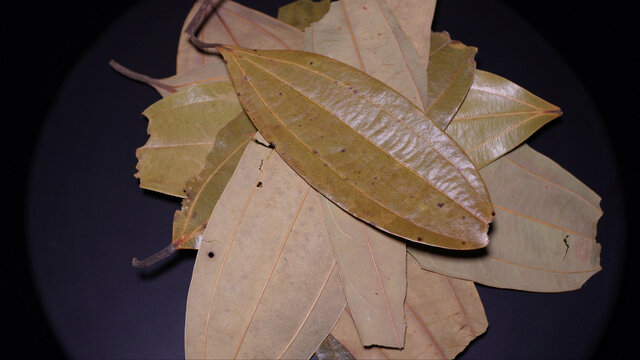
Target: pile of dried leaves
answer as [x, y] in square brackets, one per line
[339, 168]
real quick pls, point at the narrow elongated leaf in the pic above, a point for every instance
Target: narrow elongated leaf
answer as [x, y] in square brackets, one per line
[366, 35]
[443, 316]
[331, 349]
[265, 284]
[204, 190]
[496, 116]
[543, 237]
[450, 72]
[374, 276]
[415, 18]
[355, 139]
[234, 24]
[182, 130]
[301, 13]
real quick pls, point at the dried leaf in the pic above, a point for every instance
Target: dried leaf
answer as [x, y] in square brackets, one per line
[543, 237]
[415, 18]
[366, 35]
[234, 24]
[374, 276]
[265, 283]
[182, 130]
[304, 104]
[204, 190]
[450, 72]
[443, 316]
[301, 13]
[496, 116]
[331, 349]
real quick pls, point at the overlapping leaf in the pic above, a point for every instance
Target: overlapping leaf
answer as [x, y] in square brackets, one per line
[543, 237]
[443, 316]
[265, 283]
[302, 13]
[355, 157]
[415, 18]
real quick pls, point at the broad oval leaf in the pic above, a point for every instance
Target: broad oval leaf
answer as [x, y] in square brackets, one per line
[233, 23]
[373, 271]
[496, 116]
[182, 130]
[443, 316]
[544, 235]
[265, 284]
[364, 146]
[450, 72]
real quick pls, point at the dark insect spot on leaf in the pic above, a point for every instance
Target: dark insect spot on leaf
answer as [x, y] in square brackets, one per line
[254, 50]
[280, 93]
[376, 293]
[464, 242]
[463, 217]
[419, 238]
[259, 184]
[355, 91]
[211, 254]
[238, 94]
[271, 145]
[373, 183]
[440, 204]
[493, 213]
[342, 150]
[244, 78]
[315, 152]
[364, 7]
[310, 62]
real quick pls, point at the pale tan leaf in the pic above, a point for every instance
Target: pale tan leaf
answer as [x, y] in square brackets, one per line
[544, 235]
[366, 35]
[415, 18]
[374, 276]
[443, 316]
[234, 24]
[265, 284]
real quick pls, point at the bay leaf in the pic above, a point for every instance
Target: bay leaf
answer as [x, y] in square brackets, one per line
[415, 18]
[304, 103]
[366, 35]
[204, 190]
[443, 316]
[301, 13]
[265, 283]
[234, 24]
[374, 276]
[331, 349]
[496, 116]
[450, 72]
[544, 235]
[182, 130]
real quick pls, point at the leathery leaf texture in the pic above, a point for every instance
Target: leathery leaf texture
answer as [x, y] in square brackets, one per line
[363, 146]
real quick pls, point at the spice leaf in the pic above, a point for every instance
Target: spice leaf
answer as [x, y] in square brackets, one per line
[301, 13]
[420, 185]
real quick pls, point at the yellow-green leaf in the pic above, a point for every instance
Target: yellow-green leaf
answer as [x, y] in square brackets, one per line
[496, 116]
[544, 235]
[374, 276]
[204, 190]
[301, 13]
[366, 35]
[450, 73]
[364, 146]
[182, 130]
[265, 284]
[234, 24]
[443, 316]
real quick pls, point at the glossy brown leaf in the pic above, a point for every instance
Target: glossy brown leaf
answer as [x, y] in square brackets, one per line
[354, 138]
[544, 235]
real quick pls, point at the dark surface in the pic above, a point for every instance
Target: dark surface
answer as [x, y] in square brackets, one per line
[87, 217]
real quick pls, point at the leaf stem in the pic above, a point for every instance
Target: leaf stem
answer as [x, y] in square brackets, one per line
[140, 77]
[160, 255]
[196, 22]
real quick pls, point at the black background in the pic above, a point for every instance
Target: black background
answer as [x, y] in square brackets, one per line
[43, 40]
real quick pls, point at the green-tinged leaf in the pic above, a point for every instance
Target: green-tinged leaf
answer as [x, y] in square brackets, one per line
[496, 116]
[301, 13]
[204, 190]
[544, 235]
[443, 316]
[450, 73]
[265, 284]
[374, 276]
[182, 130]
[234, 24]
[364, 146]
[415, 18]
[331, 349]
[366, 35]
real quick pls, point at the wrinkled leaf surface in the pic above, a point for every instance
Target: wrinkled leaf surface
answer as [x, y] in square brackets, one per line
[544, 234]
[304, 103]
